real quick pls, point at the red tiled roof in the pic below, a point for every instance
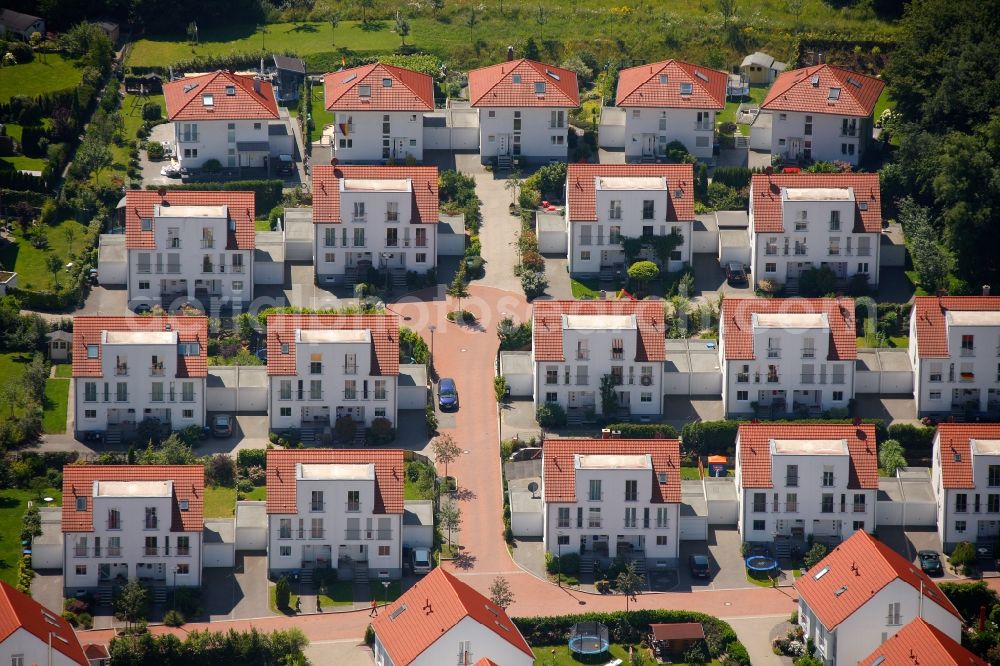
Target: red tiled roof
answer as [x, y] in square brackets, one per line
[794, 91]
[765, 199]
[858, 569]
[955, 442]
[410, 91]
[755, 450]
[326, 189]
[494, 85]
[384, 330]
[737, 329]
[432, 607]
[677, 630]
[921, 644]
[485, 662]
[19, 611]
[932, 333]
[139, 204]
[548, 333]
[87, 331]
[184, 98]
[560, 474]
[581, 192]
[189, 484]
[96, 651]
[388, 475]
[640, 86]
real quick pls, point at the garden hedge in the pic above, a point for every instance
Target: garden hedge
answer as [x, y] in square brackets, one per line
[709, 437]
[267, 193]
[644, 430]
[912, 438]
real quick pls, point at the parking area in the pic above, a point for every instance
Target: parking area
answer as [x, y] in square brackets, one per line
[241, 592]
[710, 279]
[106, 301]
[517, 419]
[249, 432]
[723, 550]
[892, 408]
[681, 409]
[909, 542]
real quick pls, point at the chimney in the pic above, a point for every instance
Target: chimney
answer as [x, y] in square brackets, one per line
[510, 53]
[616, 434]
[986, 290]
[256, 84]
[605, 433]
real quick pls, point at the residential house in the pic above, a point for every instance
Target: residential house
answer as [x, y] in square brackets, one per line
[761, 68]
[127, 369]
[324, 366]
[820, 113]
[796, 482]
[955, 353]
[335, 509]
[221, 116]
[612, 497]
[21, 26]
[30, 633]
[441, 616]
[378, 112]
[185, 245]
[861, 594]
[592, 357]
[787, 356]
[799, 222]
[289, 75]
[606, 203]
[132, 521]
[921, 643]
[965, 475]
[523, 110]
[373, 217]
[670, 101]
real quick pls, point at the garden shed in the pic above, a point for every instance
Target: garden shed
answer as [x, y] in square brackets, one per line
[693, 524]
[720, 494]
[526, 506]
[670, 641]
[251, 525]
[298, 229]
[517, 368]
[60, 345]
[734, 247]
[412, 391]
[451, 236]
[219, 543]
[418, 523]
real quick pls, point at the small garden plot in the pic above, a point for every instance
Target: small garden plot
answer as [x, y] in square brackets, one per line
[34, 245]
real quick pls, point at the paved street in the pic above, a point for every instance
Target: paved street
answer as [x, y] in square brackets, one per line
[498, 234]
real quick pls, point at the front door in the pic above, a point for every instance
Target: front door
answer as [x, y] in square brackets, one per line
[794, 147]
[399, 148]
[648, 145]
[503, 144]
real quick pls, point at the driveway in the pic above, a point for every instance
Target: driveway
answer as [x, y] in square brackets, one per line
[907, 543]
[892, 408]
[681, 409]
[47, 588]
[709, 279]
[517, 419]
[498, 234]
[249, 432]
[755, 634]
[239, 593]
[300, 289]
[150, 169]
[559, 282]
[342, 653]
[106, 301]
[728, 570]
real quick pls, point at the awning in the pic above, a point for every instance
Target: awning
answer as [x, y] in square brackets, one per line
[720, 460]
[253, 146]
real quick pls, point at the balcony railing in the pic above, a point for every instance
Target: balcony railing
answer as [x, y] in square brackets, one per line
[114, 551]
[773, 353]
[156, 370]
[352, 535]
[315, 533]
[143, 269]
[595, 497]
[703, 126]
[383, 535]
[792, 481]
[121, 370]
[151, 523]
[864, 251]
[316, 506]
[760, 508]
[353, 507]
[285, 534]
[350, 395]
[150, 551]
[173, 269]
[80, 551]
[207, 268]
[359, 219]
[808, 353]
[968, 351]
[582, 355]
[351, 369]
[236, 268]
[594, 524]
[773, 379]
[582, 380]
[742, 377]
[807, 379]
[791, 507]
[827, 508]
[860, 508]
[770, 250]
[207, 243]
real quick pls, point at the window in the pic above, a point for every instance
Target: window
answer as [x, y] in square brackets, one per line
[539, 87]
[686, 88]
[392, 211]
[826, 503]
[183, 545]
[792, 476]
[827, 476]
[585, 234]
[594, 494]
[380, 390]
[551, 397]
[771, 268]
[491, 113]
[759, 525]
[114, 519]
[959, 525]
[150, 548]
[809, 126]
[562, 539]
[838, 396]
[584, 255]
[81, 503]
[563, 517]
[383, 551]
[993, 503]
[834, 220]
[968, 345]
[859, 503]
[893, 617]
[791, 502]
[934, 395]
[961, 503]
[993, 476]
[858, 525]
[286, 411]
[557, 140]
[346, 143]
[934, 373]
[421, 258]
[594, 517]
[350, 389]
[90, 391]
[464, 653]
[18, 659]
[285, 528]
[90, 413]
[645, 397]
[151, 522]
[647, 209]
[631, 490]
[759, 502]
[662, 517]
[630, 517]
[81, 570]
[365, 91]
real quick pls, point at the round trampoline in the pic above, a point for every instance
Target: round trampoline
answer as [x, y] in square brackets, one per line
[588, 638]
[761, 564]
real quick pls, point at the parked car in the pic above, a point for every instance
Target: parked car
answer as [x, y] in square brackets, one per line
[420, 561]
[700, 566]
[222, 425]
[930, 562]
[447, 394]
[142, 308]
[286, 167]
[736, 274]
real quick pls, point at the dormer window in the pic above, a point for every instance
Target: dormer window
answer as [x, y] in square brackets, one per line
[185, 504]
[834, 95]
[539, 87]
[516, 78]
[284, 348]
[208, 100]
[387, 83]
[365, 91]
[146, 223]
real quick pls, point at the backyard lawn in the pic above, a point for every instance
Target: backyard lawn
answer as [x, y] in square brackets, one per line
[13, 503]
[559, 655]
[258, 494]
[320, 116]
[46, 73]
[379, 593]
[29, 261]
[56, 403]
[220, 502]
[22, 163]
[64, 370]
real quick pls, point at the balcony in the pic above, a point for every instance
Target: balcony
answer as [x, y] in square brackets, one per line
[703, 126]
[774, 353]
[773, 379]
[791, 507]
[156, 370]
[742, 377]
[353, 507]
[860, 508]
[316, 533]
[207, 243]
[151, 524]
[770, 250]
[792, 481]
[150, 551]
[114, 551]
[968, 351]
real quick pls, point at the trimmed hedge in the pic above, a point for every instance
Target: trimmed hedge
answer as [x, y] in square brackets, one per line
[644, 430]
[912, 438]
[709, 437]
[267, 193]
[631, 627]
[251, 458]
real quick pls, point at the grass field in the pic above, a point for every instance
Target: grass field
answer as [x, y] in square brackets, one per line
[258, 494]
[56, 403]
[690, 474]
[13, 503]
[220, 502]
[64, 370]
[46, 73]
[132, 120]
[728, 115]
[320, 116]
[263, 225]
[29, 261]
[22, 163]
[559, 655]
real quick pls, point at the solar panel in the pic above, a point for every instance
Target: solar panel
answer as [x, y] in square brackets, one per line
[350, 77]
[701, 75]
[854, 82]
[397, 612]
[552, 74]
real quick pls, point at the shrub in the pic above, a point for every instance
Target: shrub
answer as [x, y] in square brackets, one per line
[187, 600]
[551, 415]
[708, 437]
[890, 456]
[970, 597]
[155, 150]
[815, 554]
[534, 284]
[430, 420]
[644, 430]
[735, 177]
[532, 261]
[817, 282]
[344, 428]
[858, 285]
[211, 166]
[603, 586]
[963, 556]
[251, 458]
[912, 438]
[173, 618]
[570, 563]
[736, 655]
[369, 635]
[382, 430]
[151, 111]
[220, 470]
[282, 593]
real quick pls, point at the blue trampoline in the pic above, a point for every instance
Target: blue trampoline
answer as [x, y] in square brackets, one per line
[588, 638]
[761, 563]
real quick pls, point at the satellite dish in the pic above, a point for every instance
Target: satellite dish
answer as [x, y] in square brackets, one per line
[532, 488]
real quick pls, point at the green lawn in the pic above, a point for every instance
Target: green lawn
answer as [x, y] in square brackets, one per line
[412, 491]
[559, 655]
[46, 73]
[132, 120]
[589, 288]
[220, 502]
[22, 163]
[29, 261]
[13, 503]
[690, 474]
[320, 116]
[728, 115]
[258, 494]
[339, 593]
[894, 341]
[56, 402]
[64, 370]
[263, 225]
[274, 606]
[379, 593]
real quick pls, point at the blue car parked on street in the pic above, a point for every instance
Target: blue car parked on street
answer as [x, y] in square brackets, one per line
[447, 394]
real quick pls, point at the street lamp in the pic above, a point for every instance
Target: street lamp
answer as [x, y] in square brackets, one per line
[175, 587]
[559, 536]
[385, 598]
[432, 328]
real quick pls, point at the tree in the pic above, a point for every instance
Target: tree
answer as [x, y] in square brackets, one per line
[471, 20]
[438, 5]
[365, 6]
[459, 286]
[192, 32]
[631, 247]
[814, 555]
[93, 156]
[609, 398]
[817, 282]
[932, 262]
[500, 387]
[70, 232]
[890, 456]
[132, 603]
[513, 184]
[334, 19]
[728, 10]
[54, 264]
[500, 592]
[643, 272]
[630, 582]
[446, 451]
[402, 28]
[531, 49]
[450, 517]
[282, 593]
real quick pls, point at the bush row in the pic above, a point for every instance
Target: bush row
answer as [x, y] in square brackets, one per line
[708, 437]
[644, 430]
[267, 193]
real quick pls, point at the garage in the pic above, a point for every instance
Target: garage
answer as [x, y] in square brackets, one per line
[720, 494]
[692, 528]
[760, 132]
[883, 371]
[705, 234]
[734, 247]
[451, 236]
[551, 230]
[455, 127]
[418, 523]
[693, 523]
[691, 368]
[251, 525]
[47, 548]
[517, 368]
[269, 258]
[412, 386]
[112, 260]
[298, 230]
[219, 543]
[236, 388]
[525, 507]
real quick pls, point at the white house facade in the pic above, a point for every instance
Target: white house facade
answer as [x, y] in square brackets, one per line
[787, 356]
[127, 369]
[523, 110]
[221, 116]
[670, 101]
[861, 594]
[610, 497]
[378, 112]
[132, 521]
[608, 203]
[190, 245]
[794, 482]
[335, 509]
[955, 353]
[322, 367]
[965, 474]
[821, 113]
[34, 634]
[803, 221]
[382, 217]
[579, 343]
